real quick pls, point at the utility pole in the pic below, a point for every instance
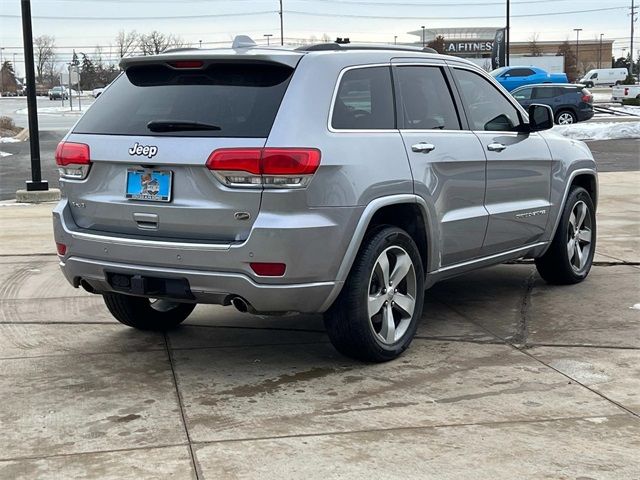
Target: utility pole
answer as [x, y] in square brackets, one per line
[281, 26]
[507, 34]
[577, 30]
[633, 19]
[395, 39]
[424, 44]
[36, 183]
[268, 37]
[600, 52]
[1, 72]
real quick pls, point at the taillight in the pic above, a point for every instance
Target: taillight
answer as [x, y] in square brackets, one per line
[587, 98]
[73, 160]
[264, 167]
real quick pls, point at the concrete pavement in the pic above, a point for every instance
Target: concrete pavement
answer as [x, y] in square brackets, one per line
[507, 378]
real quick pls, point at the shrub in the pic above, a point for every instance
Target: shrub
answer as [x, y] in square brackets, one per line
[6, 123]
[632, 102]
[630, 80]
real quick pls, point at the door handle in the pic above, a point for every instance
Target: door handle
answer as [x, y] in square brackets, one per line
[423, 147]
[496, 147]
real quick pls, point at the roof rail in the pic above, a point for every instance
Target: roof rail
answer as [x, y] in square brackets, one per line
[317, 47]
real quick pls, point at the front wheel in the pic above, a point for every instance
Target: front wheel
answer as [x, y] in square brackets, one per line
[568, 260]
[145, 313]
[377, 313]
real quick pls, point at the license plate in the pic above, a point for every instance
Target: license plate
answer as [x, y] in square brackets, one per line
[149, 185]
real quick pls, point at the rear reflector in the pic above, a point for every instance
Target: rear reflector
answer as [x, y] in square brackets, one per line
[268, 269]
[268, 167]
[73, 160]
[187, 64]
[61, 248]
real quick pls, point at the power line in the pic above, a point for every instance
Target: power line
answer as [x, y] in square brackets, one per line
[488, 17]
[313, 14]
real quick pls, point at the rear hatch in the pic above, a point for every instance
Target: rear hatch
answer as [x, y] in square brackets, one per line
[149, 136]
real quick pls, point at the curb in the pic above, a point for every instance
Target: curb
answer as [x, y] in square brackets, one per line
[41, 196]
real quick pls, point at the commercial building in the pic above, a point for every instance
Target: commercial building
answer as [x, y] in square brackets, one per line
[477, 43]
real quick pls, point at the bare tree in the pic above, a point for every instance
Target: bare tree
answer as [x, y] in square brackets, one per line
[126, 42]
[44, 53]
[534, 47]
[157, 42]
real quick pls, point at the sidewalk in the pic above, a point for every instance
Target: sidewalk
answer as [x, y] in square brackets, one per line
[508, 378]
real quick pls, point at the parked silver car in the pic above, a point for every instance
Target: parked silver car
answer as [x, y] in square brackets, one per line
[334, 179]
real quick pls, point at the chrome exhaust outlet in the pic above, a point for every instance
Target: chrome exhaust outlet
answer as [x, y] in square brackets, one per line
[241, 304]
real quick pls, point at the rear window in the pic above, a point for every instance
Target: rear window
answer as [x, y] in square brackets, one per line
[242, 99]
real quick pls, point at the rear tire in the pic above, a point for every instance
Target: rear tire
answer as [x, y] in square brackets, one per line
[569, 258]
[566, 117]
[144, 314]
[377, 313]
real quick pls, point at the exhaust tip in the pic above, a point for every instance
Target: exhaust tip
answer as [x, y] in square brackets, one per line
[240, 304]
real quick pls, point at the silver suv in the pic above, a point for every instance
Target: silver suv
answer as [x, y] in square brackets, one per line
[342, 180]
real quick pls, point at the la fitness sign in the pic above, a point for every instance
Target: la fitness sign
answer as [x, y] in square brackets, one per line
[468, 47]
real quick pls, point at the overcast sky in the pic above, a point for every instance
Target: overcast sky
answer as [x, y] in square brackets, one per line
[219, 20]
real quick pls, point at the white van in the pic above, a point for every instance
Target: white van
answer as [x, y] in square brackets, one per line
[604, 76]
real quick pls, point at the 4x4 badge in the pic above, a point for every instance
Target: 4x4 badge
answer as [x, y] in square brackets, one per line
[146, 150]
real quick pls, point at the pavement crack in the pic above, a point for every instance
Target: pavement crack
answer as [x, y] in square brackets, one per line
[194, 462]
[522, 333]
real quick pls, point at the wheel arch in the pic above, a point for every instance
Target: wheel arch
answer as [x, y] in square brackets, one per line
[395, 210]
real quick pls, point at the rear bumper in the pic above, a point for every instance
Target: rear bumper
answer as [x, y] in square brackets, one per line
[311, 244]
[207, 286]
[585, 114]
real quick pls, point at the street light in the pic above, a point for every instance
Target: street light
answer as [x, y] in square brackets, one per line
[200, 43]
[268, 36]
[424, 44]
[395, 39]
[577, 30]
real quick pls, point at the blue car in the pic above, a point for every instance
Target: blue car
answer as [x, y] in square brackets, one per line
[514, 77]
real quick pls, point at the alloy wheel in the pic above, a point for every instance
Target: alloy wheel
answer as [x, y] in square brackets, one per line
[565, 119]
[392, 295]
[579, 233]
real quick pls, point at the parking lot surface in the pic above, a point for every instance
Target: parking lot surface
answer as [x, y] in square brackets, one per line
[508, 378]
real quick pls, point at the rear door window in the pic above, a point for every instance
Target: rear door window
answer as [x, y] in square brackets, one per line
[364, 100]
[523, 94]
[426, 99]
[242, 99]
[545, 92]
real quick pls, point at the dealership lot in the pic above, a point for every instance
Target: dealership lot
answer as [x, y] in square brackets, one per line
[509, 377]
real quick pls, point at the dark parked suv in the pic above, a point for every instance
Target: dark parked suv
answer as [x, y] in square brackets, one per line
[342, 180]
[570, 103]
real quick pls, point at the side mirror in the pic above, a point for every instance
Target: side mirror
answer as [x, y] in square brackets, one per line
[540, 117]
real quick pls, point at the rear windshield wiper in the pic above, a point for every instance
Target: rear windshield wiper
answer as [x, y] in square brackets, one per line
[179, 126]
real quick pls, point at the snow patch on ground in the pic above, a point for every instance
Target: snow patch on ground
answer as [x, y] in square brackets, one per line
[8, 140]
[5, 154]
[59, 110]
[599, 131]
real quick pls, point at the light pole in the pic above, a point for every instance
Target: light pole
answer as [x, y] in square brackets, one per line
[507, 34]
[577, 30]
[36, 182]
[600, 52]
[395, 39]
[200, 43]
[268, 37]
[423, 37]
[1, 72]
[281, 26]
